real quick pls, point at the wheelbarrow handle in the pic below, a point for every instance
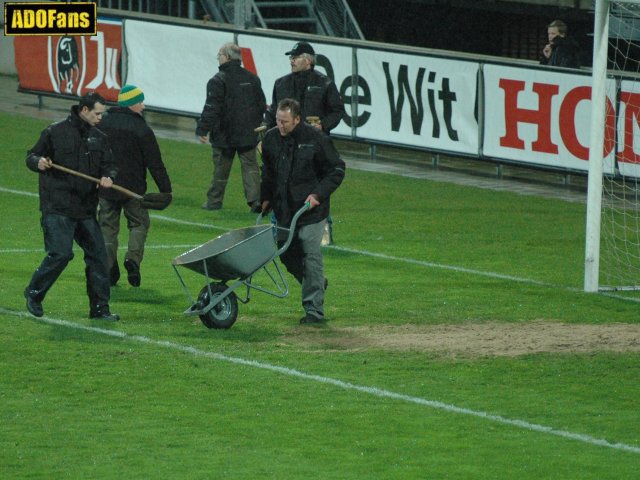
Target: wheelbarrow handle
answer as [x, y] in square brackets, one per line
[263, 213]
[292, 227]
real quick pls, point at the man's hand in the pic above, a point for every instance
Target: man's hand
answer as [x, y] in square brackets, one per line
[546, 51]
[315, 122]
[106, 182]
[313, 201]
[44, 163]
[203, 138]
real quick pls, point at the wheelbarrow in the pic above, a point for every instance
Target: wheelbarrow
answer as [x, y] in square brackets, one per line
[229, 262]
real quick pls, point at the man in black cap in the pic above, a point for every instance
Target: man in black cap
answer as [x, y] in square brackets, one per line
[317, 94]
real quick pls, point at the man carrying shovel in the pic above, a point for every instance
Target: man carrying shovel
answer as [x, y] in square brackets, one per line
[135, 150]
[68, 204]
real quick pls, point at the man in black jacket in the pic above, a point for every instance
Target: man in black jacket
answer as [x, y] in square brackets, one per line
[561, 51]
[68, 203]
[300, 165]
[233, 110]
[135, 150]
[317, 94]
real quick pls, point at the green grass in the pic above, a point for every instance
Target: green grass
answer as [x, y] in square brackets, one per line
[158, 395]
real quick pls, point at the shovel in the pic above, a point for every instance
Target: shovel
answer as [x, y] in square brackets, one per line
[151, 201]
[260, 131]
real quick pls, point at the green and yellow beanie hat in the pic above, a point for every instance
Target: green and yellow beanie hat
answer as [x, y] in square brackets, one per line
[130, 95]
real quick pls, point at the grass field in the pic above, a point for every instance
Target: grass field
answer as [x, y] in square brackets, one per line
[459, 345]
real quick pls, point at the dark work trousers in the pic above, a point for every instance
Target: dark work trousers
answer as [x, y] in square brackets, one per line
[59, 234]
[222, 161]
[303, 260]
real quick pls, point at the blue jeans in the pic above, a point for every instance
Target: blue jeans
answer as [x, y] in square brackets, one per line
[59, 234]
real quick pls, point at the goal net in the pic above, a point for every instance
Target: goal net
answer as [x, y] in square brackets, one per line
[619, 236]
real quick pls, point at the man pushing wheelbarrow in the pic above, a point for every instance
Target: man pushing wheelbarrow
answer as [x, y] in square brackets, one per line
[301, 169]
[300, 165]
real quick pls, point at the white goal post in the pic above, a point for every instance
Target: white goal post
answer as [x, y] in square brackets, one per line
[621, 232]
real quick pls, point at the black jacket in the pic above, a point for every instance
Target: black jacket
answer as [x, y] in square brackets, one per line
[234, 107]
[74, 144]
[295, 166]
[565, 52]
[135, 150]
[317, 94]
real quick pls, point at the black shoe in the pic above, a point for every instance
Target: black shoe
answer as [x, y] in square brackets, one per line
[207, 206]
[103, 313]
[326, 283]
[34, 306]
[311, 319]
[133, 272]
[256, 207]
[114, 275]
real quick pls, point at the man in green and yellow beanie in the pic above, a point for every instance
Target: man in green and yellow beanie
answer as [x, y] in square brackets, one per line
[135, 150]
[130, 95]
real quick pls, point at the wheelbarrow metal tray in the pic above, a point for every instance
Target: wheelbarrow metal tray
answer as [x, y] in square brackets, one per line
[235, 254]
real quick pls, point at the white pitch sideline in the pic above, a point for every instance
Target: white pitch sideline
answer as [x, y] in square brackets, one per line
[377, 255]
[377, 392]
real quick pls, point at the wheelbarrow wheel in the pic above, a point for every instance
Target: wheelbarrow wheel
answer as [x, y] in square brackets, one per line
[224, 314]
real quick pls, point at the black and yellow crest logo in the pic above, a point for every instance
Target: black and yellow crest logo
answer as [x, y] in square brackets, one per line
[50, 18]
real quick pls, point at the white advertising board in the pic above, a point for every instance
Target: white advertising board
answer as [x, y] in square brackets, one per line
[419, 101]
[172, 64]
[542, 117]
[531, 115]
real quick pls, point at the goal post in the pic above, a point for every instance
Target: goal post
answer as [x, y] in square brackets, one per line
[612, 237]
[596, 146]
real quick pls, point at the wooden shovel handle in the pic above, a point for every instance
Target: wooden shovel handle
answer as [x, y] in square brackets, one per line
[126, 191]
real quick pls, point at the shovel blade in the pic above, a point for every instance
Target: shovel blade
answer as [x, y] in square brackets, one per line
[156, 201]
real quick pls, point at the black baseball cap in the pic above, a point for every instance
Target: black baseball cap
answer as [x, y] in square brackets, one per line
[300, 48]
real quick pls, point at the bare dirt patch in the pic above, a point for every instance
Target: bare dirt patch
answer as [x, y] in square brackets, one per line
[475, 339]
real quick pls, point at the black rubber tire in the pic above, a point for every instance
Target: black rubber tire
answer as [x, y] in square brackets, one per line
[224, 314]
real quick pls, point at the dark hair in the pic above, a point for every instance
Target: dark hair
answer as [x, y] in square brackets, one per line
[290, 104]
[89, 100]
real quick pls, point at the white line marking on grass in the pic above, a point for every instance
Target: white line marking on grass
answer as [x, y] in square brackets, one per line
[377, 392]
[18, 192]
[454, 268]
[393, 258]
[76, 248]
[423, 263]
[366, 253]
[187, 222]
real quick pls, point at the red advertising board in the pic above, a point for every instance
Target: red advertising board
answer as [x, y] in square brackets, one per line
[72, 65]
